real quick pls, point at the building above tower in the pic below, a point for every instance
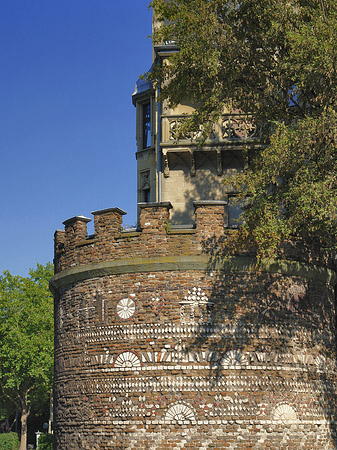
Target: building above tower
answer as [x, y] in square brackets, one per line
[181, 169]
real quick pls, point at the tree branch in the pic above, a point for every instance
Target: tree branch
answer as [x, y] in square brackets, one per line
[323, 11]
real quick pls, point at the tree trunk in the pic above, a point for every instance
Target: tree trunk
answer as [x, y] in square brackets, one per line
[24, 416]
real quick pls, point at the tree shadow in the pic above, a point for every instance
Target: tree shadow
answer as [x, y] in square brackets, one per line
[277, 325]
[207, 182]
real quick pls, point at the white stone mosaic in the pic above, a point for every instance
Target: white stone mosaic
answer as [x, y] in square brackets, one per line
[284, 413]
[180, 358]
[186, 330]
[127, 360]
[234, 358]
[181, 413]
[157, 303]
[195, 307]
[126, 308]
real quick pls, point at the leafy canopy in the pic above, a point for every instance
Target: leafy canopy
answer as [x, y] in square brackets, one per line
[276, 59]
[26, 336]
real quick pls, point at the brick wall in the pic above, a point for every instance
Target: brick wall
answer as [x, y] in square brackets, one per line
[155, 348]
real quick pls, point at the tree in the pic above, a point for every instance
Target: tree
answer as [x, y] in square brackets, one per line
[277, 60]
[26, 340]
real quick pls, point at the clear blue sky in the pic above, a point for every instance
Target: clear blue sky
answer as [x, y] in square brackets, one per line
[67, 123]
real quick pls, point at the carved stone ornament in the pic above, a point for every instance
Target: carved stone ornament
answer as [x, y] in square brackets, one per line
[145, 180]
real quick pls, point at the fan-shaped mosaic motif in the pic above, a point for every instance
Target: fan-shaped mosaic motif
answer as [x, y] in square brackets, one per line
[234, 358]
[126, 308]
[320, 362]
[179, 412]
[127, 360]
[284, 413]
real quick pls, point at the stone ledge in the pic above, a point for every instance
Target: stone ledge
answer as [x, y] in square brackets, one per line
[182, 231]
[198, 262]
[108, 210]
[128, 234]
[85, 242]
[76, 219]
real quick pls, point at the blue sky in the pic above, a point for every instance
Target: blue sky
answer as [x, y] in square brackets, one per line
[67, 123]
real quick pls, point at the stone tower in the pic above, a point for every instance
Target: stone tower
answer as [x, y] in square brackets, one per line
[160, 342]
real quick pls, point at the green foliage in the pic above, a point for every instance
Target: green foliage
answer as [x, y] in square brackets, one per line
[6, 408]
[9, 441]
[292, 187]
[46, 442]
[26, 338]
[277, 60]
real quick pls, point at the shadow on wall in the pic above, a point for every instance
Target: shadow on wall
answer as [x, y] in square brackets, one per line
[282, 327]
[205, 184]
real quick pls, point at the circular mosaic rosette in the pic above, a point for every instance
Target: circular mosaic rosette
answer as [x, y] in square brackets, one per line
[126, 308]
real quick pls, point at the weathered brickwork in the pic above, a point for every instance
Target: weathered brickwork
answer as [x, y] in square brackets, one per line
[156, 348]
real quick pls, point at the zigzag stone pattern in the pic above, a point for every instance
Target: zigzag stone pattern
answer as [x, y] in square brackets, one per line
[171, 348]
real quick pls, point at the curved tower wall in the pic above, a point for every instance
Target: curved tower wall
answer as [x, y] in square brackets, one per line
[160, 345]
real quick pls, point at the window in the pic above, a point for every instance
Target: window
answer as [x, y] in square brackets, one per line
[234, 211]
[146, 195]
[146, 124]
[145, 186]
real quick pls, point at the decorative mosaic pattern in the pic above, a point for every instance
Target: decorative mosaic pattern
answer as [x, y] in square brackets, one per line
[180, 413]
[237, 383]
[173, 330]
[157, 303]
[234, 358]
[284, 413]
[227, 405]
[195, 307]
[126, 408]
[127, 360]
[179, 357]
[126, 307]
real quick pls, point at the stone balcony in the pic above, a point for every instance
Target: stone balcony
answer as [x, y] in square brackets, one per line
[230, 129]
[232, 132]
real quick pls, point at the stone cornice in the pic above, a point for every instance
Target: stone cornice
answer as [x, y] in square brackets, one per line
[198, 262]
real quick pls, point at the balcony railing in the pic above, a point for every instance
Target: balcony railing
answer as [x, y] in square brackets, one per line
[230, 128]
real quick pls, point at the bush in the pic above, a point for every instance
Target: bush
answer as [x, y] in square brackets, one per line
[9, 441]
[45, 442]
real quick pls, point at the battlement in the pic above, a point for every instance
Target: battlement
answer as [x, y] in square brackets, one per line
[154, 237]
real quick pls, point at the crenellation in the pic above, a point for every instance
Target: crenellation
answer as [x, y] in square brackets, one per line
[59, 239]
[75, 230]
[155, 236]
[209, 218]
[154, 217]
[108, 223]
